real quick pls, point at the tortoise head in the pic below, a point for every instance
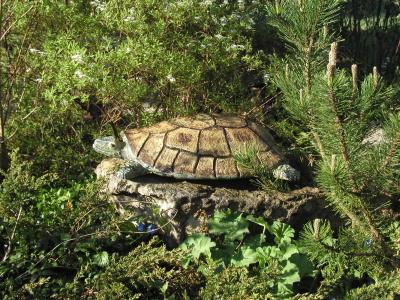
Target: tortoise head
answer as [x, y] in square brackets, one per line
[108, 146]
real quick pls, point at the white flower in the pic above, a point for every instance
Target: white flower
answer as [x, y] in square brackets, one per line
[219, 36]
[38, 79]
[223, 21]
[36, 51]
[128, 50]
[236, 47]
[131, 15]
[79, 74]
[98, 5]
[129, 19]
[171, 78]
[207, 2]
[266, 78]
[77, 58]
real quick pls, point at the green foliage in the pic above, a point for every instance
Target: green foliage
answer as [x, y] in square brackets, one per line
[69, 67]
[248, 159]
[300, 24]
[186, 55]
[350, 124]
[282, 263]
[236, 283]
[198, 244]
[48, 232]
[149, 271]
[387, 287]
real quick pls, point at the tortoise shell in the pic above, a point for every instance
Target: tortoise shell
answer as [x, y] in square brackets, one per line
[201, 146]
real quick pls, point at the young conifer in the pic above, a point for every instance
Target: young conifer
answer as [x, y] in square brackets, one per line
[352, 127]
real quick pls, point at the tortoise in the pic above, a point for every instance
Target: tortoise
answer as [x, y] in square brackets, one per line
[197, 147]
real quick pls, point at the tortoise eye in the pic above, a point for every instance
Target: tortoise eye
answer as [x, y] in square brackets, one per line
[112, 145]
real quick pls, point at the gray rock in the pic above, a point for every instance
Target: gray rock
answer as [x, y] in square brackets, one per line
[187, 205]
[375, 137]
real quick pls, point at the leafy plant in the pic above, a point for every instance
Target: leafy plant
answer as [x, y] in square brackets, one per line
[232, 247]
[148, 271]
[248, 160]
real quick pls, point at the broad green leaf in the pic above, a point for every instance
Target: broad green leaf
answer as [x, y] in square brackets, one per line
[282, 232]
[198, 244]
[260, 221]
[289, 275]
[225, 253]
[255, 241]
[245, 257]
[303, 263]
[232, 225]
[266, 254]
[287, 250]
[101, 259]
[164, 288]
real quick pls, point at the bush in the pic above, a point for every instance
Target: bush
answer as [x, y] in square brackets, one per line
[150, 271]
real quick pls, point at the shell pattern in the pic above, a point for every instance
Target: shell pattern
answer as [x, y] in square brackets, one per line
[201, 146]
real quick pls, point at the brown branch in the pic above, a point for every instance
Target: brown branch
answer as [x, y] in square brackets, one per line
[354, 73]
[15, 22]
[392, 152]
[8, 250]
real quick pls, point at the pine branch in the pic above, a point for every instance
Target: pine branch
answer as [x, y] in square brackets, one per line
[339, 127]
[319, 143]
[307, 67]
[338, 122]
[376, 234]
[354, 73]
[392, 152]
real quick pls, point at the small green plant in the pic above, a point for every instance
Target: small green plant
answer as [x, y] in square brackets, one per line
[149, 271]
[230, 245]
[248, 160]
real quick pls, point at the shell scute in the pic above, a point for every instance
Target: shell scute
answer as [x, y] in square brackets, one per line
[264, 134]
[161, 127]
[151, 149]
[199, 121]
[240, 138]
[205, 166]
[213, 142]
[226, 167]
[183, 138]
[185, 162]
[269, 158]
[165, 161]
[136, 139]
[230, 121]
